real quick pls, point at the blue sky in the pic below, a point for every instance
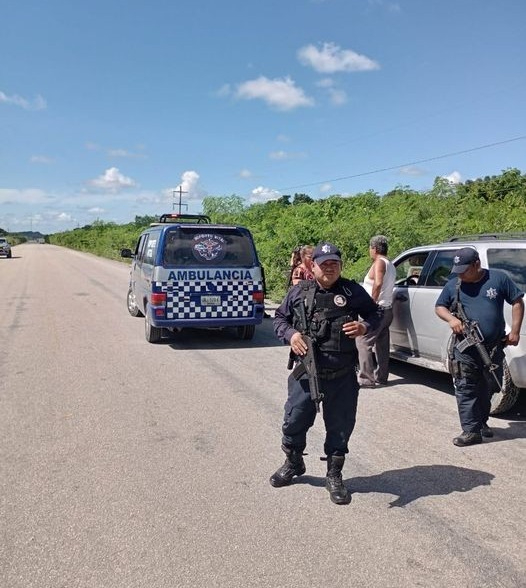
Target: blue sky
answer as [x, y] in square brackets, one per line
[108, 106]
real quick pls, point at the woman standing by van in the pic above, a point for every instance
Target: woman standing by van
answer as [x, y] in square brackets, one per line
[303, 271]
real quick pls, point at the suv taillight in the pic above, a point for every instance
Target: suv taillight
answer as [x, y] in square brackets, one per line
[258, 297]
[158, 299]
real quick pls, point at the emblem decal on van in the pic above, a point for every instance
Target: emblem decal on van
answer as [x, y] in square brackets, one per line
[209, 247]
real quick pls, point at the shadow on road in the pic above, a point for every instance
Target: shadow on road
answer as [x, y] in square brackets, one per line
[410, 484]
[406, 373]
[222, 339]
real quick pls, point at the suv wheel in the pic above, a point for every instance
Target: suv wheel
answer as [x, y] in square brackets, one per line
[131, 302]
[507, 396]
[246, 332]
[153, 334]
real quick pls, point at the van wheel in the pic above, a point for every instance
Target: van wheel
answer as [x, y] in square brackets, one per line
[246, 332]
[153, 334]
[503, 400]
[131, 302]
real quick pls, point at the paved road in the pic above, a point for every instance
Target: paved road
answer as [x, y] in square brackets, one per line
[125, 464]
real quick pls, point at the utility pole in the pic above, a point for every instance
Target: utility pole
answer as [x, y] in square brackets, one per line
[179, 191]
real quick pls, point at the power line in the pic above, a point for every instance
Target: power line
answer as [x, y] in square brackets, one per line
[384, 169]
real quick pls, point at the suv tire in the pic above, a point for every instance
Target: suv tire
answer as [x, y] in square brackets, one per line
[246, 332]
[153, 334]
[131, 302]
[503, 400]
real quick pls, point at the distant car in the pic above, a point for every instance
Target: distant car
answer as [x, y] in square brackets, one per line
[418, 336]
[5, 248]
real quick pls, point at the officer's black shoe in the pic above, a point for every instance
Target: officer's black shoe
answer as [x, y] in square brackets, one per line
[486, 431]
[467, 439]
[334, 484]
[293, 466]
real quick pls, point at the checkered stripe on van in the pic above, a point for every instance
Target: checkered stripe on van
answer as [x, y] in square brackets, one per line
[184, 300]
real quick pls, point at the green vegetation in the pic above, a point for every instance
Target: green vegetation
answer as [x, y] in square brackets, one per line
[495, 204]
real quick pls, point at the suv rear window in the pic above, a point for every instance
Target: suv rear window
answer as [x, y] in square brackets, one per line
[511, 261]
[208, 246]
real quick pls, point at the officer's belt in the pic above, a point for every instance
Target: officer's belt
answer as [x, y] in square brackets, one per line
[334, 374]
[323, 374]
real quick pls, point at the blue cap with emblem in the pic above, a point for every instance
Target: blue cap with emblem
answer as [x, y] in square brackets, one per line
[325, 252]
[463, 259]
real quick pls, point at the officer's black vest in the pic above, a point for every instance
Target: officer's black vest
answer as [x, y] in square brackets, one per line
[326, 313]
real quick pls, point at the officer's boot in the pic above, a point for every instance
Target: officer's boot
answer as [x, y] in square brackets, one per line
[293, 466]
[335, 486]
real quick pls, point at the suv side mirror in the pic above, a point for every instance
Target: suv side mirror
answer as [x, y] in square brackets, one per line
[126, 253]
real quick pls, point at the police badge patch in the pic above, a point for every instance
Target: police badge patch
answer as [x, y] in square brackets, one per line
[208, 247]
[340, 300]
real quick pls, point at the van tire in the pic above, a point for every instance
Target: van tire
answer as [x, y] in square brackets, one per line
[503, 400]
[131, 302]
[153, 334]
[246, 332]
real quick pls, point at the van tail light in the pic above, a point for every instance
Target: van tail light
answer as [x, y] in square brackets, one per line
[258, 297]
[158, 299]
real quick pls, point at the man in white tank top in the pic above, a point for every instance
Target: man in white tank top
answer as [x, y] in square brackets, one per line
[373, 348]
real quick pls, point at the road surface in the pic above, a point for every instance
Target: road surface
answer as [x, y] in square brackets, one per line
[126, 464]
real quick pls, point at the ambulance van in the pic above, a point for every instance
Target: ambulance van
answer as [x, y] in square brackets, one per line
[186, 272]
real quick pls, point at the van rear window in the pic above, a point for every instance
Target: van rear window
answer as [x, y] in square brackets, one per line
[511, 261]
[208, 246]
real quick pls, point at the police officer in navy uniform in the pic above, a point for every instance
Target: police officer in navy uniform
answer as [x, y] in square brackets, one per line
[337, 311]
[482, 293]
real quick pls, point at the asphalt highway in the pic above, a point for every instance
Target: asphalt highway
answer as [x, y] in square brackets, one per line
[125, 464]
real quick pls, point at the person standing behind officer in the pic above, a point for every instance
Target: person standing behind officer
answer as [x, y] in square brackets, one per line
[480, 293]
[303, 271]
[332, 306]
[379, 283]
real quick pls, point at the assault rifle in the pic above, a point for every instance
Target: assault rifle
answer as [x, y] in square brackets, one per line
[308, 362]
[474, 337]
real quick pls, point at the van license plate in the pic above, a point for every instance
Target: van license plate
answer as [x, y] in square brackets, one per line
[210, 300]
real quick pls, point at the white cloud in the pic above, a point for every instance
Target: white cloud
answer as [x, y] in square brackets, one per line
[27, 196]
[37, 104]
[389, 6]
[454, 177]
[190, 189]
[331, 59]
[63, 217]
[96, 210]
[261, 194]
[41, 159]
[125, 154]
[286, 155]
[337, 97]
[412, 170]
[282, 94]
[224, 90]
[325, 188]
[245, 174]
[112, 181]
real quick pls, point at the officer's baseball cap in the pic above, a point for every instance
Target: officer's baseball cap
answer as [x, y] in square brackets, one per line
[463, 259]
[325, 252]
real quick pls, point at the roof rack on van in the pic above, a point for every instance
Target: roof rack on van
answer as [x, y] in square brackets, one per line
[175, 217]
[488, 237]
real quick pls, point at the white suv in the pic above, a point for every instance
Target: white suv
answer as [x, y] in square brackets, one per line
[418, 336]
